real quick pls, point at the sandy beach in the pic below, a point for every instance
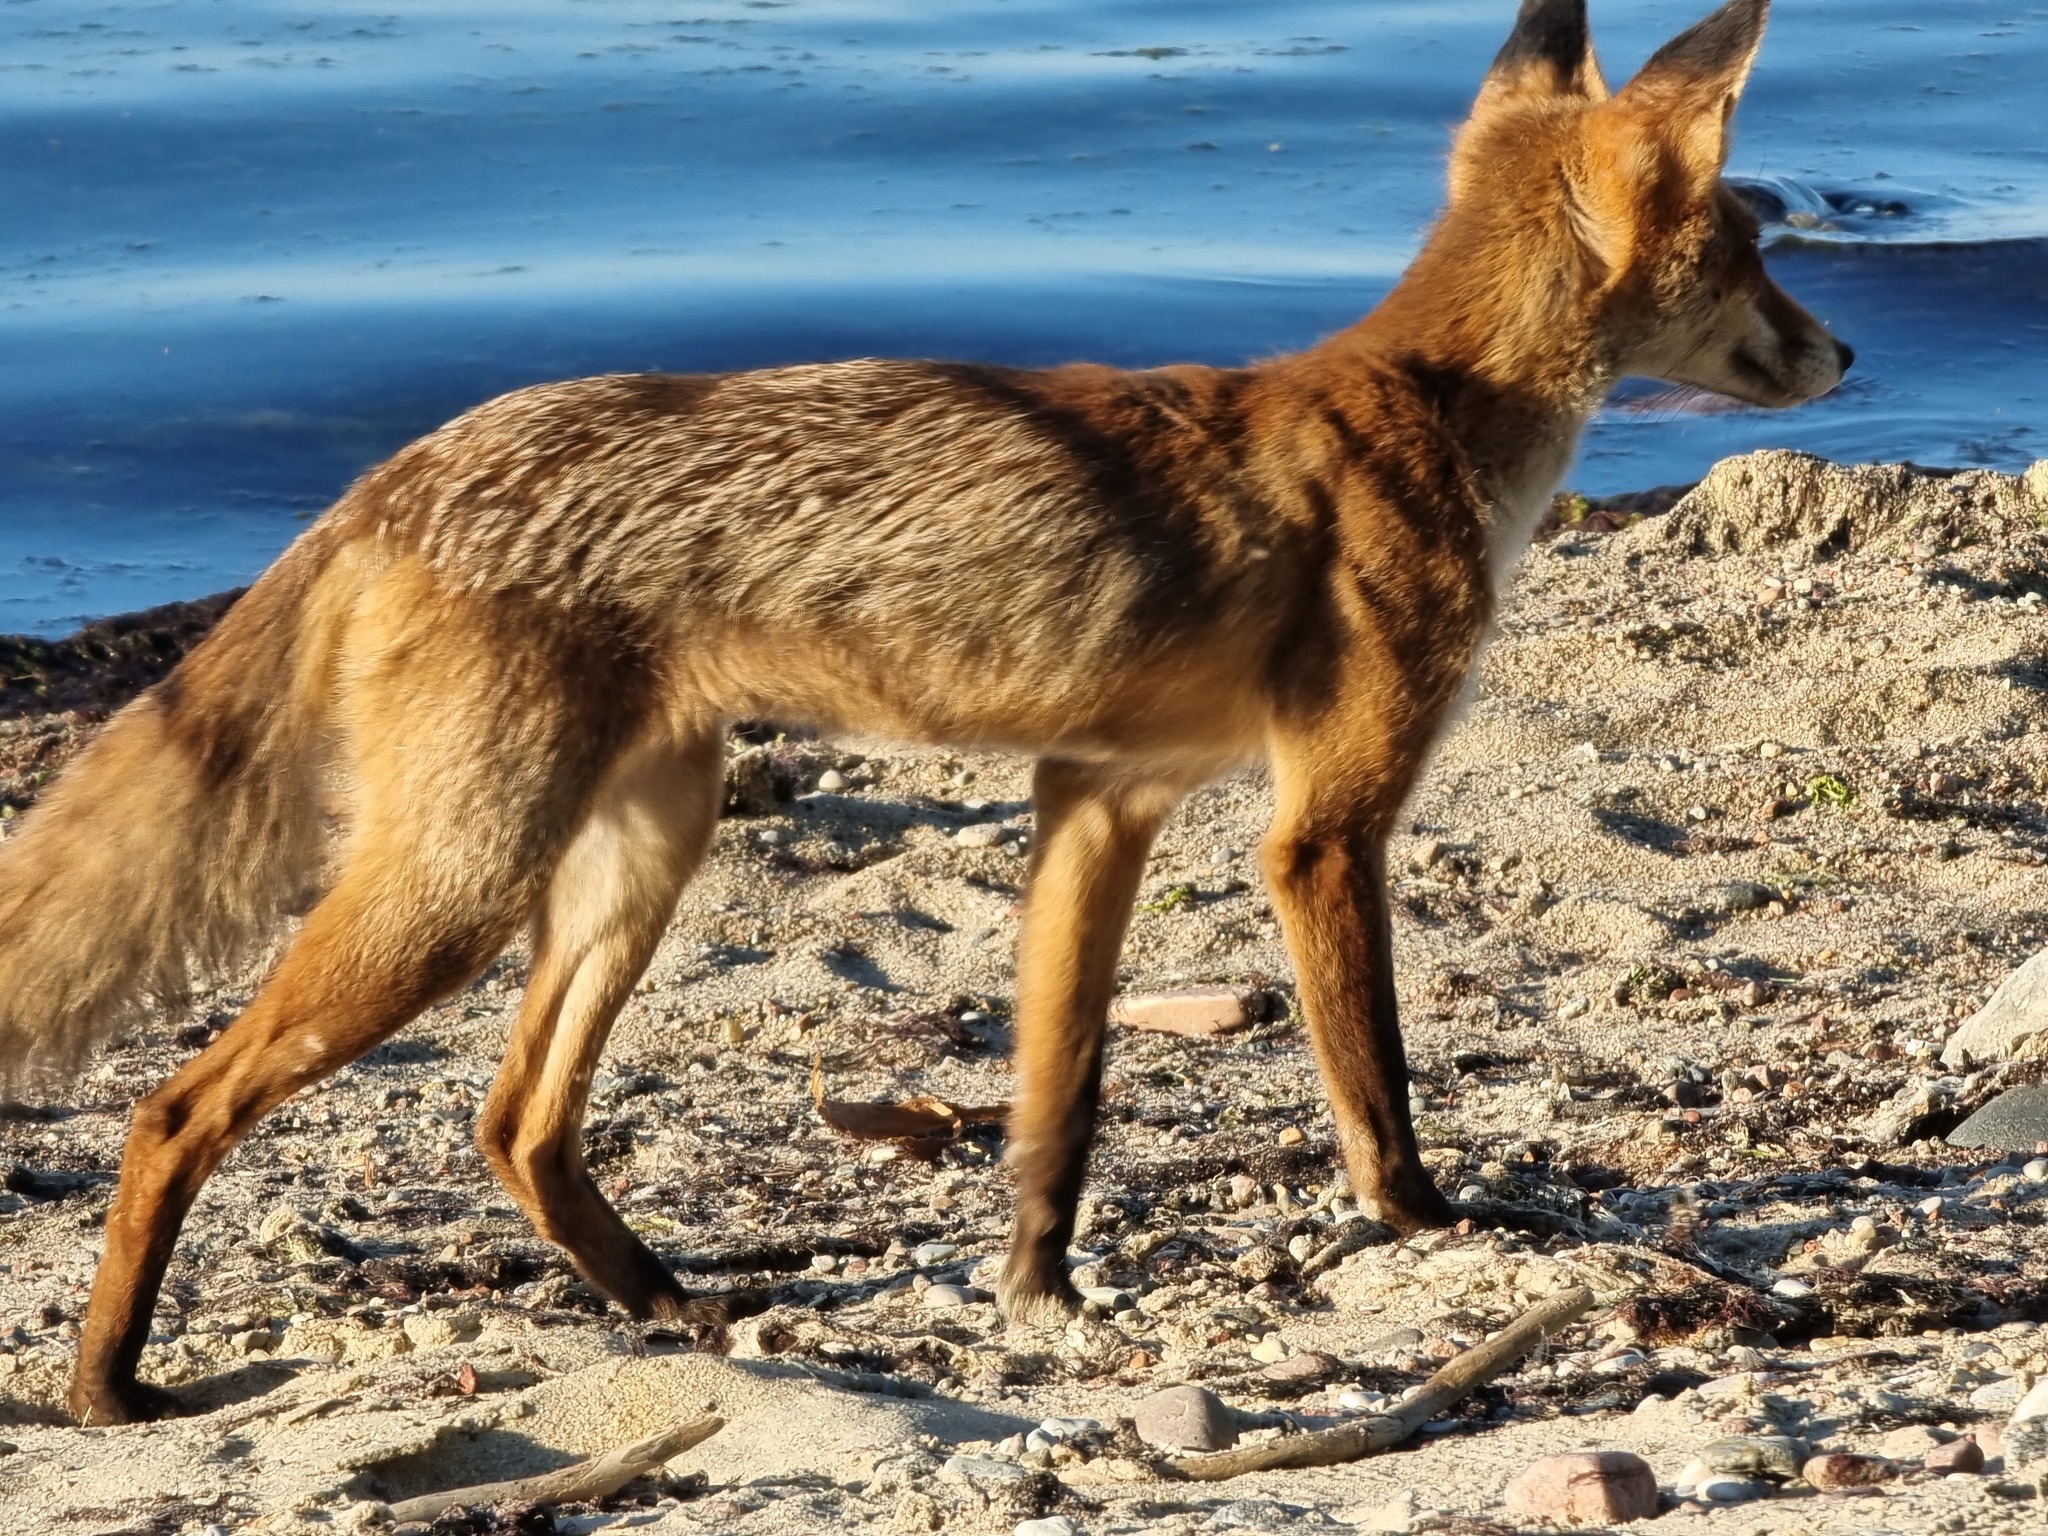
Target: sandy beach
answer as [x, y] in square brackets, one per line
[1748, 815]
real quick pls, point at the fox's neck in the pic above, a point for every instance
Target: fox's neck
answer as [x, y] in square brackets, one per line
[1512, 359]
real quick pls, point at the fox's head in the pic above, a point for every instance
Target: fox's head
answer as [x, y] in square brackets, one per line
[1624, 190]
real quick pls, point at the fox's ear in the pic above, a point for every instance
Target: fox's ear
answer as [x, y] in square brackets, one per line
[1691, 84]
[1550, 53]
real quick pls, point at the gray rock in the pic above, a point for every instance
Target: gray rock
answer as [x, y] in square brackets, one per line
[982, 1470]
[1050, 1525]
[2011, 1026]
[1739, 896]
[2013, 1122]
[1774, 1456]
[1186, 1418]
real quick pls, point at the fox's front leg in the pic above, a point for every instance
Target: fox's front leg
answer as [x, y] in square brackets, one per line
[1092, 831]
[1325, 863]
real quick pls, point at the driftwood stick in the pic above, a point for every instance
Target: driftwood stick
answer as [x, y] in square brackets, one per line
[1367, 1437]
[597, 1478]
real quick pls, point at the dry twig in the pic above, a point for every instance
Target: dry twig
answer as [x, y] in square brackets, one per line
[597, 1478]
[1367, 1437]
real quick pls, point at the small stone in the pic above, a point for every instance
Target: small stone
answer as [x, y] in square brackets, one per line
[832, 781]
[1964, 1455]
[2034, 1405]
[1358, 1400]
[1071, 1427]
[1270, 1350]
[2035, 1171]
[1846, 1469]
[823, 1263]
[982, 835]
[1301, 1368]
[984, 1469]
[1721, 1488]
[1186, 1418]
[1244, 1190]
[1576, 1007]
[1791, 1290]
[943, 1298]
[1050, 1525]
[1778, 1457]
[1293, 1136]
[1193, 1011]
[1584, 1487]
[925, 1254]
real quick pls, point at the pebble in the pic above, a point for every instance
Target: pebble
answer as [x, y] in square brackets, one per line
[1071, 1427]
[1293, 1136]
[1270, 1350]
[1722, 1488]
[984, 1469]
[1774, 1456]
[1792, 1290]
[1964, 1455]
[925, 1254]
[823, 1263]
[1185, 1418]
[943, 1298]
[1306, 1366]
[1584, 1487]
[982, 835]
[832, 781]
[1192, 1011]
[2036, 1171]
[1846, 1469]
[2034, 1405]
[1050, 1525]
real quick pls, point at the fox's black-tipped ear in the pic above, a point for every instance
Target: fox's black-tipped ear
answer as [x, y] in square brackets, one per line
[1696, 78]
[1550, 53]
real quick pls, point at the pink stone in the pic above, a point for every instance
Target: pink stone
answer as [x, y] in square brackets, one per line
[1845, 1469]
[1584, 1488]
[1964, 1455]
[1189, 1011]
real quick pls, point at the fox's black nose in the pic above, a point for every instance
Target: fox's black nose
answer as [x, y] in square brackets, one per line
[1845, 352]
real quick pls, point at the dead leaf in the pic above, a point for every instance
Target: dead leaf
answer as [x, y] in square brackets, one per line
[921, 1126]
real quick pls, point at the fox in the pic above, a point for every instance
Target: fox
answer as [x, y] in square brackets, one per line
[487, 691]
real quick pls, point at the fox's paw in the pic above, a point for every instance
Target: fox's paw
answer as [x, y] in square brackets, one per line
[1030, 1301]
[1415, 1206]
[99, 1404]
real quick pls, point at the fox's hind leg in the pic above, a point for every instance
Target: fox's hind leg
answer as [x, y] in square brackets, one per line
[387, 941]
[1093, 831]
[605, 910]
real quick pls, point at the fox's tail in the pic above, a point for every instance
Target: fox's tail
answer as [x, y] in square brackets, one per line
[167, 852]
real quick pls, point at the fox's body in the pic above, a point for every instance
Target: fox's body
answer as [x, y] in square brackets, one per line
[507, 657]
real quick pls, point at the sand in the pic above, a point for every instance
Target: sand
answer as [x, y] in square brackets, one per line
[1749, 811]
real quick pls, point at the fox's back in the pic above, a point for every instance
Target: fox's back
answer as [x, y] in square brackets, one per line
[945, 545]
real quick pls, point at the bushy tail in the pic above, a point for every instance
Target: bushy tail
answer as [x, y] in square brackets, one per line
[169, 849]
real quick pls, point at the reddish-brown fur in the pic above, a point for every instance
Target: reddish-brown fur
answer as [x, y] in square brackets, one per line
[503, 664]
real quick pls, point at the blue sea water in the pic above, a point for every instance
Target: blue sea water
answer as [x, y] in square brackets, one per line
[251, 248]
